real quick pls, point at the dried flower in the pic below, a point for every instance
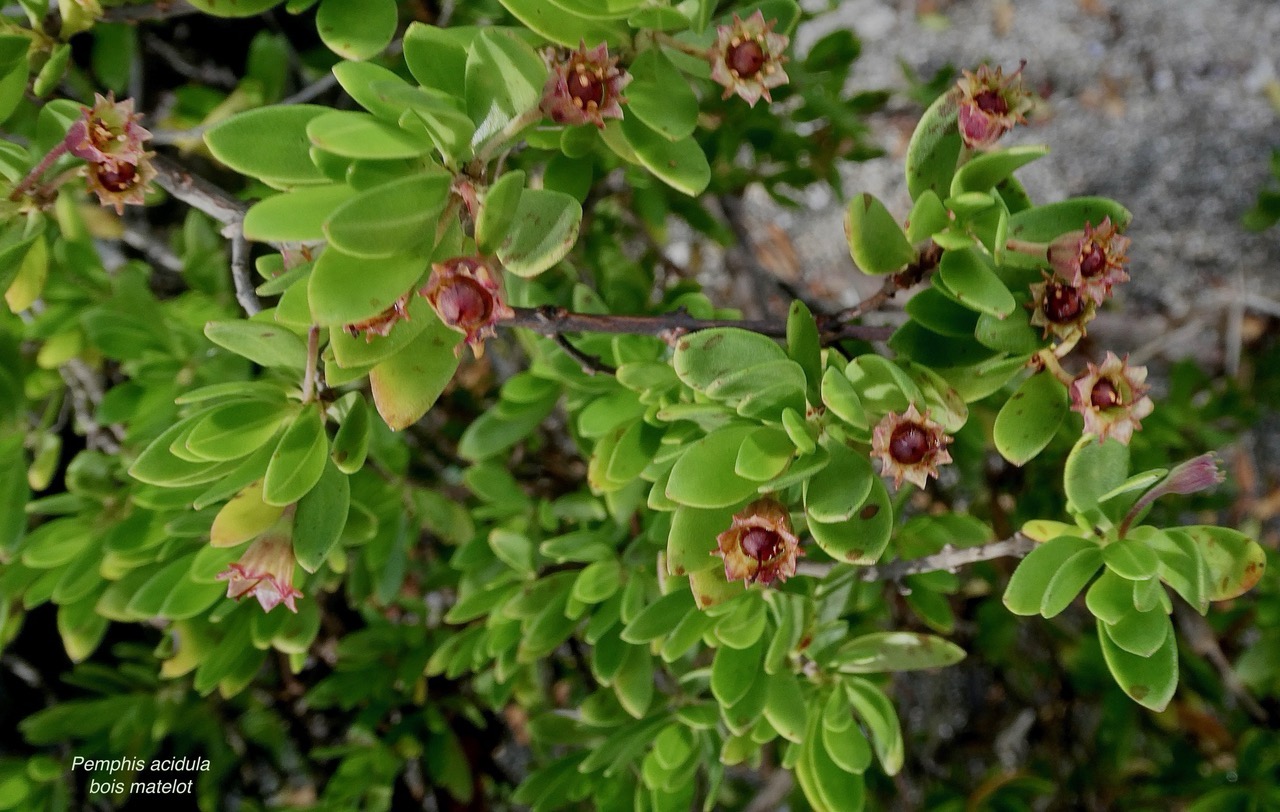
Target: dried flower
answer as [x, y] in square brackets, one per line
[1060, 308]
[747, 58]
[991, 104]
[108, 133]
[585, 88]
[910, 446]
[381, 324]
[1112, 398]
[265, 571]
[464, 293]
[759, 544]
[1092, 260]
[121, 183]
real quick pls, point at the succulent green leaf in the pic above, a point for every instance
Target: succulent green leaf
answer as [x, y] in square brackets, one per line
[321, 517]
[1044, 223]
[880, 652]
[1093, 469]
[1235, 562]
[928, 217]
[262, 342]
[1110, 598]
[561, 25]
[1071, 576]
[704, 475]
[498, 207]
[1030, 418]
[863, 538]
[542, 231]
[408, 383]
[1149, 681]
[660, 96]
[681, 164]
[1182, 563]
[1141, 633]
[876, 711]
[692, 539]
[504, 78]
[934, 148]
[353, 134]
[784, 706]
[395, 218]
[356, 29]
[764, 454]
[1131, 558]
[877, 243]
[298, 461]
[836, 493]
[270, 143]
[733, 671]
[984, 172]
[970, 279]
[1030, 582]
[295, 216]
[345, 289]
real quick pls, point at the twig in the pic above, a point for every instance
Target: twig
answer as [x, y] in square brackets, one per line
[551, 321]
[141, 238]
[240, 274]
[214, 75]
[313, 358]
[159, 10]
[86, 393]
[199, 193]
[772, 793]
[312, 90]
[1205, 643]
[1017, 546]
[590, 364]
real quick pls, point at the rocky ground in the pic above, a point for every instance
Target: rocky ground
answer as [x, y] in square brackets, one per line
[1168, 107]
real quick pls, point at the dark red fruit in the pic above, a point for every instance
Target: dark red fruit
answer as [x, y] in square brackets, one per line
[1104, 395]
[990, 101]
[745, 59]
[586, 89]
[1062, 303]
[909, 444]
[465, 302]
[121, 179]
[761, 544]
[1093, 261]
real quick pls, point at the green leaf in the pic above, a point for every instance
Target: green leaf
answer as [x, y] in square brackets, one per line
[1110, 598]
[704, 358]
[598, 581]
[298, 461]
[543, 230]
[969, 278]
[408, 383]
[321, 517]
[1149, 681]
[1012, 334]
[498, 207]
[431, 112]
[660, 96]
[692, 539]
[877, 243]
[895, 651]
[784, 706]
[296, 216]
[1030, 418]
[680, 164]
[1044, 223]
[236, 429]
[345, 289]
[392, 219]
[1092, 470]
[804, 346]
[863, 538]
[634, 682]
[1235, 562]
[351, 442]
[504, 79]
[934, 147]
[882, 385]
[1141, 633]
[564, 27]
[848, 747]
[733, 671]
[839, 396]
[437, 57]
[357, 29]
[264, 343]
[1182, 564]
[692, 481]
[658, 618]
[984, 172]
[764, 454]
[1030, 581]
[928, 216]
[353, 134]
[835, 493]
[1071, 576]
[234, 8]
[941, 314]
[269, 143]
[877, 712]
[243, 517]
[1131, 558]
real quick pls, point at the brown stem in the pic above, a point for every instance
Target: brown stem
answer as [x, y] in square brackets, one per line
[1016, 546]
[40, 168]
[313, 358]
[551, 321]
[198, 193]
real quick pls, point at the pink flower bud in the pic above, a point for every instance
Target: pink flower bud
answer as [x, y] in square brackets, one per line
[747, 58]
[465, 295]
[1112, 398]
[1092, 260]
[990, 105]
[910, 447]
[264, 572]
[759, 545]
[107, 133]
[585, 88]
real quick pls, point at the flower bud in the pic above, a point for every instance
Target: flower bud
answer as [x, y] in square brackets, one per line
[759, 545]
[465, 295]
[1060, 308]
[265, 572]
[990, 105]
[585, 88]
[108, 133]
[747, 58]
[120, 183]
[910, 446]
[1196, 474]
[1112, 398]
[1092, 260]
[381, 324]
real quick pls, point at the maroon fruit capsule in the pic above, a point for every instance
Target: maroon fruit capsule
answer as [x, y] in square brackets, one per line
[747, 58]
[759, 545]
[910, 446]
